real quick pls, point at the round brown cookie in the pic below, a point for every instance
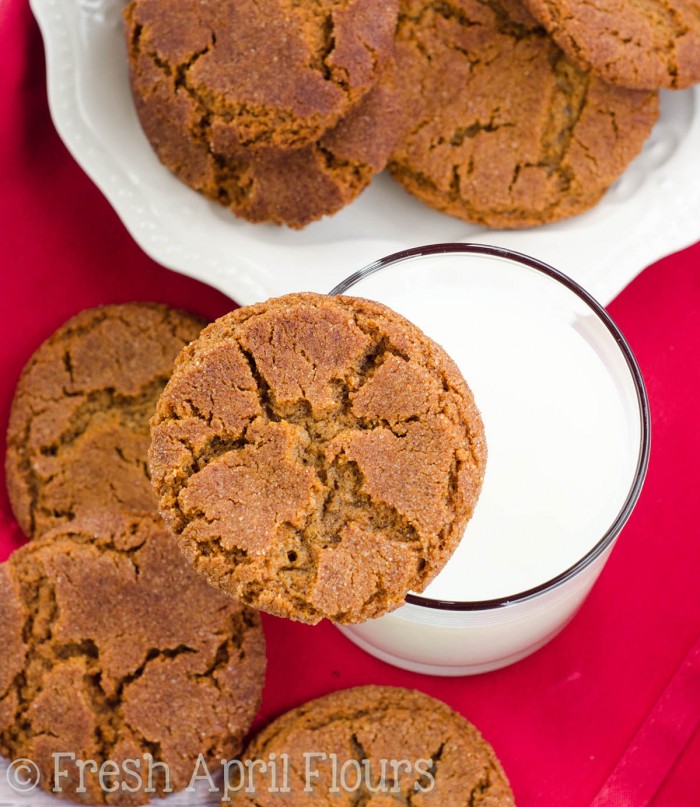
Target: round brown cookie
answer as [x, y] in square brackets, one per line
[259, 74]
[507, 132]
[649, 45]
[113, 649]
[317, 456]
[78, 435]
[289, 187]
[391, 746]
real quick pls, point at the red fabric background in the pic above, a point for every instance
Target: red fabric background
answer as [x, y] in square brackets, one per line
[560, 720]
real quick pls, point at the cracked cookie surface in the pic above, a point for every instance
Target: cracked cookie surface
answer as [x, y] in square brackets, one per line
[268, 74]
[78, 435]
[506, 130]
[643, 44]
[114, 648]
[317, 456]
[368, 728]
[292, 187]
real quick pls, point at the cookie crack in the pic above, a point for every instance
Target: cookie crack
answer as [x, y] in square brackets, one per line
[27, 474]
[151, 655]
[68, 364]
[106, 406]
[320, 62]
[463, 133]
[256, 124]
[214, 545]
[354, 174]
[116, 496]
[263, 387]
[38, 596]
[182, 70]
[452, 11]
[135, 462]
[347, 486]
[110, 706]
[443, 8]
[109, 544]
[321, 59]
[480, 790]
[571, 95]
[94, 404]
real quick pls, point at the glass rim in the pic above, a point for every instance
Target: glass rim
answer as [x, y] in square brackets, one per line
[640, 388]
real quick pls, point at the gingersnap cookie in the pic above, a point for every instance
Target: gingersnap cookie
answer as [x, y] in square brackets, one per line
[267, 74]
[116, 652]
[370, 745]
[507, 131]
[78, 435]
[317, 456]
[292, 187]
[647, 46]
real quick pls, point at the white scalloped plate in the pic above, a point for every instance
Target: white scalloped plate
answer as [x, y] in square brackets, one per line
[652, 211]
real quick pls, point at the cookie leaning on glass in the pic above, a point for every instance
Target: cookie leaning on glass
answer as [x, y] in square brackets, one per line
[317, 456]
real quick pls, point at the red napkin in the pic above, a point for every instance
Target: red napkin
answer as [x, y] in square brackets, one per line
[610, 708]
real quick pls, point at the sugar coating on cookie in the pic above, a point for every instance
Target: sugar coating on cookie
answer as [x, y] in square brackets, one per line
[317, 456]
[506, 130]
[268, 74]
[650, 45]
[78, 436]
[391, 746]
[113, 648]
[292, 187]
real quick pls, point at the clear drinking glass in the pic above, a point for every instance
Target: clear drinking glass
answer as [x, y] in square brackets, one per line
[567, 425]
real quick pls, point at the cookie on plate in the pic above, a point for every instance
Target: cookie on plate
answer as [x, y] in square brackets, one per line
[114, 649]
[317, 456]
[292, 187]
[371, 745]
[507, 131]
[78, 436]
[268, 74]
[651, 45]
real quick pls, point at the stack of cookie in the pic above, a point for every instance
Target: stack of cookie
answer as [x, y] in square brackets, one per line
[507, 113]
[113, 648]
[282, 111]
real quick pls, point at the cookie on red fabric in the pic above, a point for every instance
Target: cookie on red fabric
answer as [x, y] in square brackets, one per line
[77, 440]
[373, 745]
[113, 648]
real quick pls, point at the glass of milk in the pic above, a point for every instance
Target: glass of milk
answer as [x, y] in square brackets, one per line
[566, 417]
